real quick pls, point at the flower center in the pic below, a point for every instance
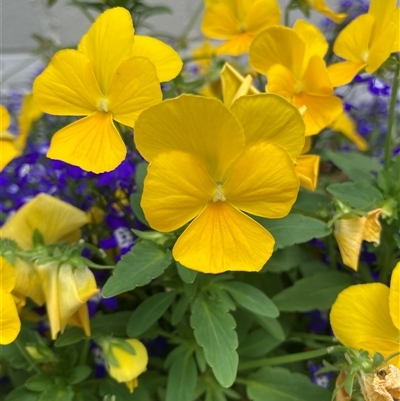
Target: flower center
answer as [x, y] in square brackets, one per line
[103, 105]
[219, 194]
[364, 57]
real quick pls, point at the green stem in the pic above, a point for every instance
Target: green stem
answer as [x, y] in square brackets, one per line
[287, 16]
[21, 347]
[281, 360]
[190, 24]
[84, 351]
[392, 113]
[317, 337]
[332, 252]
[100, 253]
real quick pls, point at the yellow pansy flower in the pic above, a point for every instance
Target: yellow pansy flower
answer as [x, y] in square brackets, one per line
[10, 324]
[113, 75]
[366, 42]
[235, 85]
[10, 145]
[237, 22]
[292, 60]
[130, 366]
[210, 164]
[203, 54]
[352, 231]
[66, 290]
[321, 7]
[367, 316]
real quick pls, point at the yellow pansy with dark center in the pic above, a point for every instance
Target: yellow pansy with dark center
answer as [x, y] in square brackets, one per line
[209, 165]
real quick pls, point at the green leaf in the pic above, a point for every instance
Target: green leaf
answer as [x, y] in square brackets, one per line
[284, 260]
[182, 378]
[57, 393]
[311, 202]
[250, 298]
[316, 292]
[258, 343]
[294, 229]
[21, 393]
[359, 195]
[214, 330]
[140, 175]
[272, 326]
[71, 335]
[39, 382]
[187, 275]
[109, 324]
[110, 387]
[79, 374]
[179, 309]
[389, 179]
[148, 312]
[354, 164]
[134, 201]
[144, 262]
[279, 384]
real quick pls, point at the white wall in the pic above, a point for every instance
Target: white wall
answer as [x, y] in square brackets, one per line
[65, 24]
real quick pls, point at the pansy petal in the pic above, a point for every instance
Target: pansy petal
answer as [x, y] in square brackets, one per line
[28, 282]
[222, 238]
[4, 118]
[52, 217]
[277, 45]
[360, 313]
[394, 296]
[67, 87]
[315, 80]
[235, 85]
[10, 325]
[281, 82]
[81, 319]
[396, 21]
[347, 127]
[108, 42]
[270, 118]
[381, 47]
[92, 143]
[166, 60]
[237, 45]
[382, 11]
[372, 228]
[383, 346]
[321, 7]
[320, 111]
[220, 22]
[8, 152]
[7, 275]
[208, 131]
[353, 41]
[349, 235]
[130, 93]
[310, 34]
[48, 275]
[261, 14]
[307, 171]
[263, 182]
[176, 190]
[343, 73]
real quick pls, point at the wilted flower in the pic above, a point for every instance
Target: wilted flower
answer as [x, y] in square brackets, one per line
[383, 385]
[350, 232]
[66, 289]
[367, 316]
[212, 164]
